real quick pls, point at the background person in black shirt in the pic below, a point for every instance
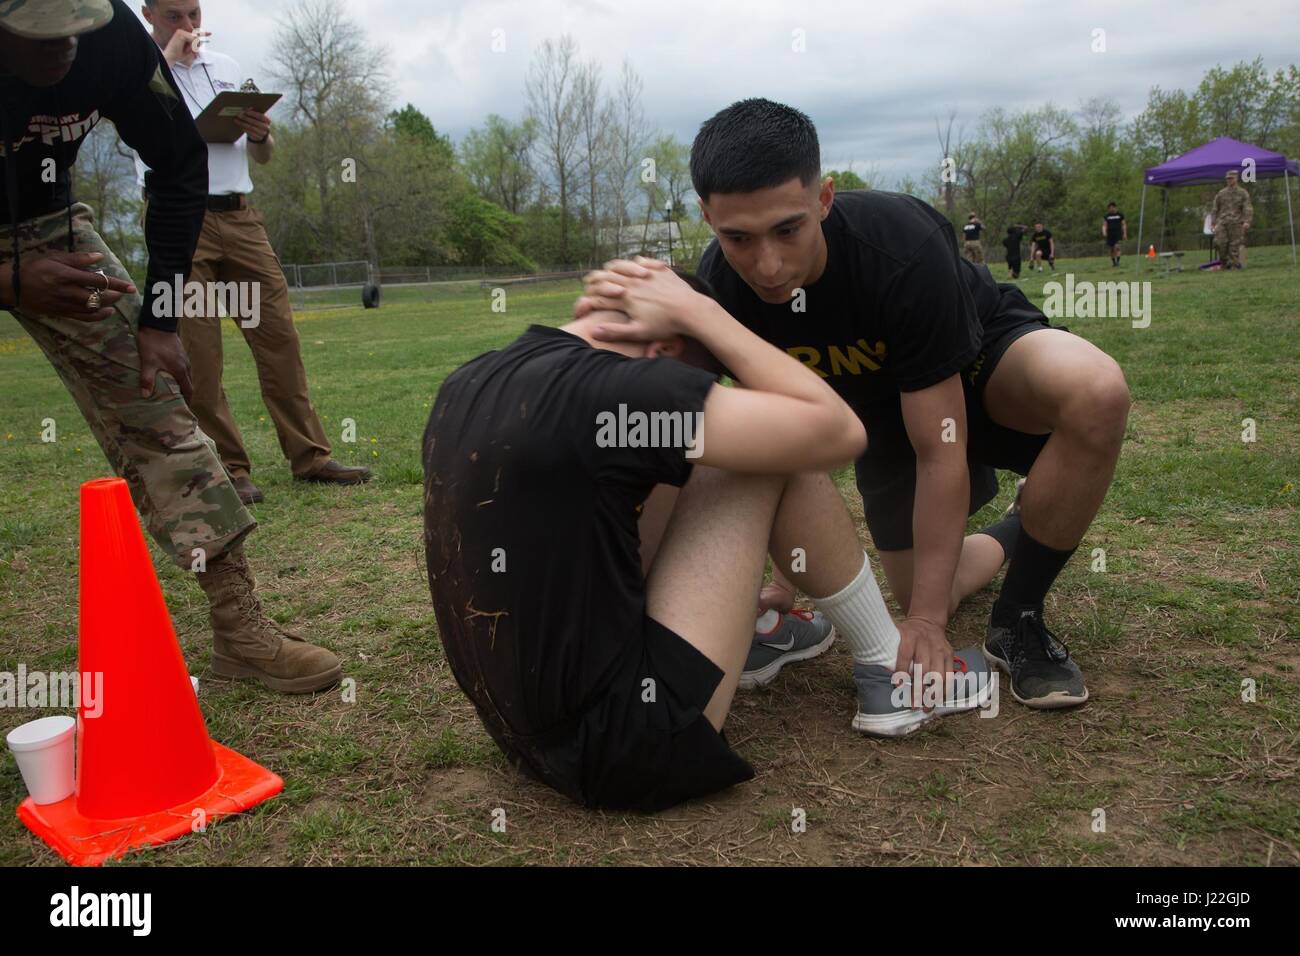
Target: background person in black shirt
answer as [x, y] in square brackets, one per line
[1043, 247]
[952, 374]
[972, 248]
[1114, 229]
[1015, 235]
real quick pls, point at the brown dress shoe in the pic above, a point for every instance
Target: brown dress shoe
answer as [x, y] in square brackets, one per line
[248, 492]
[247, 643]
[334, 473]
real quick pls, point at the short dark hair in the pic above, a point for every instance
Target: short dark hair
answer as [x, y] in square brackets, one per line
[751, 145]
[1110, 204]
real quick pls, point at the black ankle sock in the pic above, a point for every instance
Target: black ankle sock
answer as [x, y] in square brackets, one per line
[1005, 532]
[1033, 569]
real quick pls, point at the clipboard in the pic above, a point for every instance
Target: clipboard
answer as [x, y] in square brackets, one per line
[217, 122]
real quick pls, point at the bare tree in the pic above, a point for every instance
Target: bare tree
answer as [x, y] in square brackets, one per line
[628, 138]
[594, 116]
[552, 104]
[1012, 148]
[336, 88]
[947, 183]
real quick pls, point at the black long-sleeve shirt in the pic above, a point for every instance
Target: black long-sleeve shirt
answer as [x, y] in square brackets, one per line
[119, 75]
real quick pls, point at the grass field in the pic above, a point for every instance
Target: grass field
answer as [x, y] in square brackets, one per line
[1200, 592]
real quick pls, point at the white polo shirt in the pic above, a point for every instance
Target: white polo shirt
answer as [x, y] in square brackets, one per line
[212, 73]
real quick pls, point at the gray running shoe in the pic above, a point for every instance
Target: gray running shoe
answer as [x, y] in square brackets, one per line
[798, 636]
[880, 713]
[971, 685]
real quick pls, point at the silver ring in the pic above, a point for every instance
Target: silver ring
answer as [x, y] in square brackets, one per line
[101, 272]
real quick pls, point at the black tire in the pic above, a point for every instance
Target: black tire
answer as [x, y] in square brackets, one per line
[370, 296]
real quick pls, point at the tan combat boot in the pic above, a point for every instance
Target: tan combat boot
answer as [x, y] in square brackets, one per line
[246, 643]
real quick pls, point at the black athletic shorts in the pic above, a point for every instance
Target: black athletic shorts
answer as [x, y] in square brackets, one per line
[1114, 241]
[644, 744]
[888, 484]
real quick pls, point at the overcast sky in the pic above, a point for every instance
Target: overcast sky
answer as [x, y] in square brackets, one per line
[873, 76]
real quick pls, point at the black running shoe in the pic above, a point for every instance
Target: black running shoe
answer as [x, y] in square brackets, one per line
[1043, 675]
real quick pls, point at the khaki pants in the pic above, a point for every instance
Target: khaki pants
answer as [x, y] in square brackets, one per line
[233, 247]
[973, 250]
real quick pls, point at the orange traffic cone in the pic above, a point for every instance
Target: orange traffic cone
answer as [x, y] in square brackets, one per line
[146, 770]
[1151, 252]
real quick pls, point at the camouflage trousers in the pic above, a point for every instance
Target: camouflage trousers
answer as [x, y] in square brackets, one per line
[176, 478]
[973, 250]
[1229, 243]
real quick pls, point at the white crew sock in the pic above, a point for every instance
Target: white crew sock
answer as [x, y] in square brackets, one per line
[861, 618]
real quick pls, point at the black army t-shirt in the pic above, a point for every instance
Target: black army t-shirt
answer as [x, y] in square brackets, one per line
[532, 495]
[972, 231]
[1043, 240]
[1012, 243]
[895, 310]
[1114, 224]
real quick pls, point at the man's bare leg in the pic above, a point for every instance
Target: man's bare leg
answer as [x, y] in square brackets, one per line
[1052, 381]
[981, 559]
[709, 562]
[708, 567]
[814, 533]
[818, 516]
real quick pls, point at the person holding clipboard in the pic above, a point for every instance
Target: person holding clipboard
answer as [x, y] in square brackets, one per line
[233, 247]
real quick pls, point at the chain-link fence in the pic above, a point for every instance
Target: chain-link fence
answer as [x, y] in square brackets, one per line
[322, 275]
[327, 275]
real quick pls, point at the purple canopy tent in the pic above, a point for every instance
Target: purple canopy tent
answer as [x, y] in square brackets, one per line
[1209, 164]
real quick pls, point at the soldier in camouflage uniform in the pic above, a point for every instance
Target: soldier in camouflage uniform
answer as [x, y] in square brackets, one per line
[1232, 214]
[64, 64]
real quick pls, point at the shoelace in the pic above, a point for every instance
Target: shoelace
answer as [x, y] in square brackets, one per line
[1031, 625]
[250, 606]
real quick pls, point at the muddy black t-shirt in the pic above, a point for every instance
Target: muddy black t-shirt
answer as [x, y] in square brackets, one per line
[531, 516]
[1043, 240]
[972, 231]
[895, 310]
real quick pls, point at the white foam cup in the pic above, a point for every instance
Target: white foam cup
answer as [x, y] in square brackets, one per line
[45, 751]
